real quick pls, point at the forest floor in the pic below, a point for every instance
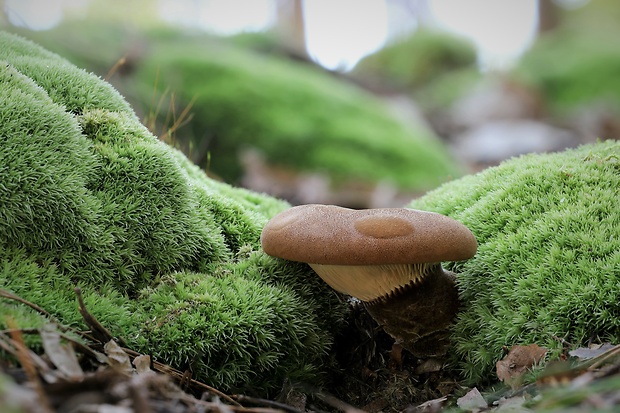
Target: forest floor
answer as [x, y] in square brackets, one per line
[375, 376]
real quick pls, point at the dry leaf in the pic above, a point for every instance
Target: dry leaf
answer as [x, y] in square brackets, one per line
[431, 406]
[62, 355]
[472, 401]
[117, 358]
[518, 360]
[109, 408]
[591, 352]
[512, 405]
[142, 364]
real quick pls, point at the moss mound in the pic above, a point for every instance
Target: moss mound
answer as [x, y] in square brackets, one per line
[418, 59]
[548, 263]
[243, 96]
[435, 67]
[587, 73]
[296, 115]
[167, 258]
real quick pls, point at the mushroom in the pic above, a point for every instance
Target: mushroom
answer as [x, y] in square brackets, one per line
[389, 258]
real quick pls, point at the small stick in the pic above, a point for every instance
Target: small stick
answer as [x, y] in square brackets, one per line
[338, 404]
[267, 403]
[9, 295]
[602, 358]
[180, 377]
[23, 356]
[99, 332]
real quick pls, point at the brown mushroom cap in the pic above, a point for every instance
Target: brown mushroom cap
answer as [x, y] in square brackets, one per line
[328, 234]
[370, 254]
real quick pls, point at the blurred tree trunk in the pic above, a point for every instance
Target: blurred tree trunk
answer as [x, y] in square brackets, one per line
[4, 20]
[548, 16]
[291, 27]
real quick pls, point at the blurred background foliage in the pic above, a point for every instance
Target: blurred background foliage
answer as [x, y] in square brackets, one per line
[418, 59]
[293, 115]
[256, 109]
[573, 68]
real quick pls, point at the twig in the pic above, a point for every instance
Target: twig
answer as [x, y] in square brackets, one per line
[9, 295]
[179, 376]
[23, 355]
[267, 403]
[213, 406]
[99, 332]
[338, 404]
[100, 357]
[331, 400]
[599, 360]
[23, 331]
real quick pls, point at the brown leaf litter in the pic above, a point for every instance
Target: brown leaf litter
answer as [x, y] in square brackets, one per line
[103, 376]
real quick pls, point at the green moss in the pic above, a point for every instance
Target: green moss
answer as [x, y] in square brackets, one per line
[235, 326]
[166, 257]
[296, 114]
[548, 263]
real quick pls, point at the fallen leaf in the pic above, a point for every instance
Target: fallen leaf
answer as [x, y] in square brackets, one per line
[514, 404]
[62, 355]
[431, 406]
[117, 358]
[472, 401]
[142, 364]
[591, 352]
[518, 360]
[589, 359]
[109, 408]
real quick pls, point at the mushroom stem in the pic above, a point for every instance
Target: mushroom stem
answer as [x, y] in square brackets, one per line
[419, 317]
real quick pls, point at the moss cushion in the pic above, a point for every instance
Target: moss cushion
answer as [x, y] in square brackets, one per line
[167, 258]
[547, 270]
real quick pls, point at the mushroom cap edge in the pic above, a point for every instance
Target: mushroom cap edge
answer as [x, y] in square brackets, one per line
[329, 234]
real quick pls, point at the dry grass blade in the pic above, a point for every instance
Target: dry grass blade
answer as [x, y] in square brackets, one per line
[120, 62]
[184, 117]
[167, 132]
[12, 347]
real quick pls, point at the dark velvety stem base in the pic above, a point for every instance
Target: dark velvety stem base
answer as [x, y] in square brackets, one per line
[419, 317]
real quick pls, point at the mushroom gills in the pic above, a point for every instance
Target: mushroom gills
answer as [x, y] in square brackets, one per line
[370, 283]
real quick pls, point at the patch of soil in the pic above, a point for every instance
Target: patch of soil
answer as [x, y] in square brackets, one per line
[379, 375]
